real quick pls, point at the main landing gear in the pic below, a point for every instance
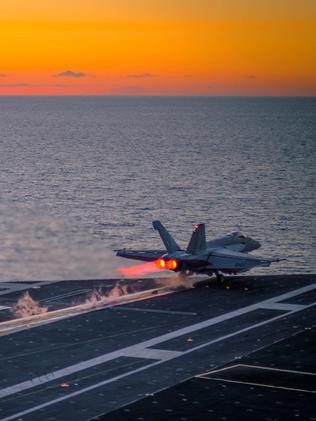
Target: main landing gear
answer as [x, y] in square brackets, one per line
[220, 279]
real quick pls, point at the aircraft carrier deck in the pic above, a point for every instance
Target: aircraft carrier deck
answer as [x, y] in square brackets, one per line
[244, 351]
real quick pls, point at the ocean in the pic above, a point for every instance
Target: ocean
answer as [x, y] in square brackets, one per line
[81, 176]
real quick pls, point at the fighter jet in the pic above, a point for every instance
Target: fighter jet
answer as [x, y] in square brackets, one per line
[226, 255]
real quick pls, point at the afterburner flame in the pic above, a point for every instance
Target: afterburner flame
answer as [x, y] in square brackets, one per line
[161, 263]
[172, 264]
[149, 267]
[141, 269]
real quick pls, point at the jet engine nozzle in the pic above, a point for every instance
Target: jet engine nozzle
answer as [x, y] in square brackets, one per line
[170, 264]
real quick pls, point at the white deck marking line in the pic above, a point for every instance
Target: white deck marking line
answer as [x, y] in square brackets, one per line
[246, 329]
[133, 349]
[283, 306]
[154, 353]
[291, 294]
[79, 392]
[307, 373]
[231, 367]
[52, 376]
[218, 370]
[152, 310]
[256, 384]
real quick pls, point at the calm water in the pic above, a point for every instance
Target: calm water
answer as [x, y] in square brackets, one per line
[82, 176]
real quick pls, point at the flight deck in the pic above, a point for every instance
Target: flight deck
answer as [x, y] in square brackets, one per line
[154, 351]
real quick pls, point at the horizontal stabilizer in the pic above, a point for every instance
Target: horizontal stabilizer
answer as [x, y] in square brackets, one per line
[167, 239]
[197, 243]
[143, 255]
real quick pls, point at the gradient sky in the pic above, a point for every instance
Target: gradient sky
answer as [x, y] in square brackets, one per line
[158, 47]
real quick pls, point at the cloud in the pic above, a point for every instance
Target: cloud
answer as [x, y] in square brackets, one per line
[251, 77]
[140, 75]
[3, 75]
[15, 85]
[22, 85]
[70, 73]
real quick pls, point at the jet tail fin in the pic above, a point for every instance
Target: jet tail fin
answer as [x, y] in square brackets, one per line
[167, 239]
[197, 242]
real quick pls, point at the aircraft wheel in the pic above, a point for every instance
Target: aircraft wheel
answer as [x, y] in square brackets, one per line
[220, 279]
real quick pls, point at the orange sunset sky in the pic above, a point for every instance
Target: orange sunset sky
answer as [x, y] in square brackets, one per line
[158, 47]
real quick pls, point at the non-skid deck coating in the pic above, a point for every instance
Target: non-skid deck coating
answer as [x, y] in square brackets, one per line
[98, 362]
[243, 391]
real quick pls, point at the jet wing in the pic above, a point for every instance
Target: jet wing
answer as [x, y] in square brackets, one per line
[144, 255]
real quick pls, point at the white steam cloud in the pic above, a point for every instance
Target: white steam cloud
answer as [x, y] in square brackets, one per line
[26, 306]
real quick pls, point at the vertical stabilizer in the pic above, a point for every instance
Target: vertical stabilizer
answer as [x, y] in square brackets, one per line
[197, 243]
[168, 241]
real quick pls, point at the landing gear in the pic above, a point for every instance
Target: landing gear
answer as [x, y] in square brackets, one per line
[220, 279]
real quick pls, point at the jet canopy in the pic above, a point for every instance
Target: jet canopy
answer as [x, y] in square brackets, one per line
[239, 234]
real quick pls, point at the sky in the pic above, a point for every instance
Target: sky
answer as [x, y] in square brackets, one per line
[158, 47]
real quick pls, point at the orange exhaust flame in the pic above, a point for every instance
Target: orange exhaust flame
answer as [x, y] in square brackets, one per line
[161, 263]
[149, 267]
[141, 269]
[172, 264]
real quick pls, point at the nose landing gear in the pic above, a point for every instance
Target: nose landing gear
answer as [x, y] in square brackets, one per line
[220, 278]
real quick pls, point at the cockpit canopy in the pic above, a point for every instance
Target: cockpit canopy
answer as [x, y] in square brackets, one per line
[239, 234]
